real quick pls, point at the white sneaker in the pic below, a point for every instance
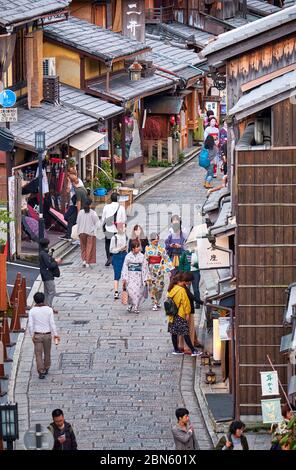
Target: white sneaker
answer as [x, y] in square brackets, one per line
[177, 353]
[196, 353]
[129, 308]
[86, 265]
[154, 308]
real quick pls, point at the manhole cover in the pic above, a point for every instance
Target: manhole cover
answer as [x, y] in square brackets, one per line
[68, 294]
[112, 343]
[77, 361]
[80, 322]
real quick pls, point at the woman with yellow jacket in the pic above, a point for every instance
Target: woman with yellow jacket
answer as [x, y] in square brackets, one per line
[178, 324]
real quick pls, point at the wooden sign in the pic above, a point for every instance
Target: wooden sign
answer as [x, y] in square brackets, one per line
[133, 19]
[210, 257]
[269, 383]
[271, 411]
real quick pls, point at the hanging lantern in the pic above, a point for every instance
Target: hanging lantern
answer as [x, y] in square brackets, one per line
[172, 120]
[135, 71]
[178, 119]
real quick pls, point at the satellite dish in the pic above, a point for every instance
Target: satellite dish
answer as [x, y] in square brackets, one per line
[38, 437]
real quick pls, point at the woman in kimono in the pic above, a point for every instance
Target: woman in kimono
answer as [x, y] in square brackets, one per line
[134, 276]
[176, 241]
[159, 263]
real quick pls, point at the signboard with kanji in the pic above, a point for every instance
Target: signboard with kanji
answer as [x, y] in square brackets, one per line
[271, 410]
[133, 19]
[8, 115]
[211, 257]
[269, 383]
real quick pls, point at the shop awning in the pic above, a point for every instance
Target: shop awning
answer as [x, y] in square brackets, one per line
[86, 142]
[213, 201]
[164, 105]
[198, 231]
[290, 302]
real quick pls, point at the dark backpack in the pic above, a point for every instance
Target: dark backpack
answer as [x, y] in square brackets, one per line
[170, 307]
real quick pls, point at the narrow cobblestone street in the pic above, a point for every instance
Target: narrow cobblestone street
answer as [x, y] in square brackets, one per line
[113, 373]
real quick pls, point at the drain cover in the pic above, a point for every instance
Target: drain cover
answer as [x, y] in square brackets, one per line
[80, 322]
[76, 361]
[112, 343]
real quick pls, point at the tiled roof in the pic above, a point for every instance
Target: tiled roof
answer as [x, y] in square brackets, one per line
[250, 30]
[124, 89]
[95, 107]
[59, 123]
[261, 7]
[214, 199]
[172, 53]
[195, 35]
[14, 11]
[99, 42]
[277, 89]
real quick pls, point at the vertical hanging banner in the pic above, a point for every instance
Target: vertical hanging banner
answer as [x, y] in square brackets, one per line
[11, 202]
[269, 383]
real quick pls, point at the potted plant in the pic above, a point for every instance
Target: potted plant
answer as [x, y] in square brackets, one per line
[103, 181]
[4, 220]
[117, 142]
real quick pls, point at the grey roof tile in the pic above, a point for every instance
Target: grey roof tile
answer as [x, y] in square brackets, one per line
[249, 30]
[197, 35]
[59, 123]
[94, 40]
[258, 98]
[90, 105]
[14, 11]
[261, 7]
[214, 199]
[173, 53]
[124, 89]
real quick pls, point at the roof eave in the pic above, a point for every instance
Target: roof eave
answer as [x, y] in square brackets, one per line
[34, 18]
[255, 108]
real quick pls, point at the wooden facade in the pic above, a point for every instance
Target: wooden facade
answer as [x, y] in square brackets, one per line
[266, 264]
[247, 71]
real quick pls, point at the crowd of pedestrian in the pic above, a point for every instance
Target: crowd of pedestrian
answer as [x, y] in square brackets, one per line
[214, 150]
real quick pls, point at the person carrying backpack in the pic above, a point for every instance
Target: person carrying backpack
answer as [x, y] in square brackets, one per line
[178, 309]
[207, 158]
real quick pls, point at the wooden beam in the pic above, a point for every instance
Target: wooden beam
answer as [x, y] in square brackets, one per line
[266, 78]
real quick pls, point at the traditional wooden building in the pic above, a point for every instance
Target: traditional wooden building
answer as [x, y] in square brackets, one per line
[21, 56]
[100, 61]
[260, 62]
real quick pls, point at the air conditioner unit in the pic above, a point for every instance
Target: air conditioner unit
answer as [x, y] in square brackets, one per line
[49, 66]
[262, 131]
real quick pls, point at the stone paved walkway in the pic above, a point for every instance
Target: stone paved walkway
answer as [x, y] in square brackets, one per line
[114, 375]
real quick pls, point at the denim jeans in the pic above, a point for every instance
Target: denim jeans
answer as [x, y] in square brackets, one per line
[210, 173]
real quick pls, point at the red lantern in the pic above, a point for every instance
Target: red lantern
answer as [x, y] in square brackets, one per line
[172, 120]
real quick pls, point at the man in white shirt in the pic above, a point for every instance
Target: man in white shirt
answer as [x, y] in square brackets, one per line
[113, 213]
[42, 327]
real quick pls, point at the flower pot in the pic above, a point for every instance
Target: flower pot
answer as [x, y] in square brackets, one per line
[100, 192]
